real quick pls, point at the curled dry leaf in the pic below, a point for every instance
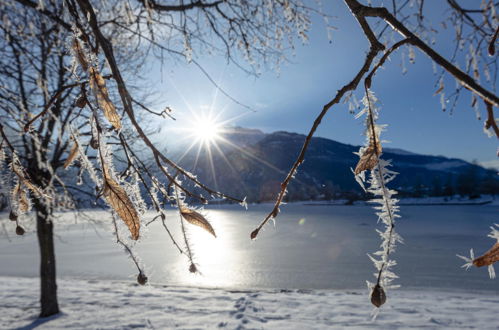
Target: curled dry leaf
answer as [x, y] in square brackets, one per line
[490, 257]
[20, 195]
[24, 180]
[122, 205]
[369, 158]
[378, 296]
[197, 219]
[72, 155]
[98, 85]
[80, 55]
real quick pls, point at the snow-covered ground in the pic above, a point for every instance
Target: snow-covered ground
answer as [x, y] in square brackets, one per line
[125, 305]
[318, 253]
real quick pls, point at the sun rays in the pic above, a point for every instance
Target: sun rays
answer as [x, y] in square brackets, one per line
[205, 135]
[205, 130]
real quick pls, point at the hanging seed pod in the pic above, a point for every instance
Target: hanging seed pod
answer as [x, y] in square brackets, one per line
[141, 279]
[81, 101]
[193, 268]
[378, 296]
[13, 216]
[20, 230]
[93, 143]
[492, 49]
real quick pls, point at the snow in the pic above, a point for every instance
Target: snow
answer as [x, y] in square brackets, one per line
[397, 151]
[447, 165]
[493, 164]
[125, 305]
[320, 252]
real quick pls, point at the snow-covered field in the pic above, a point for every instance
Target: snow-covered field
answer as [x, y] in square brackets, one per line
[125, 305]
[317, 252]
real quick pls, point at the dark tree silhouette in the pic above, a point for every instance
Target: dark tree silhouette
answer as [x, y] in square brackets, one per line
[66, 98]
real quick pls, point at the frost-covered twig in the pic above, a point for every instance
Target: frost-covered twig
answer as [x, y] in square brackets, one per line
[489, 258]
[179, 201]
[376, 47]
[141, 277]
[387, 207]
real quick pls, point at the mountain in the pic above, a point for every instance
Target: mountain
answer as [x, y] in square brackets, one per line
[253, 164]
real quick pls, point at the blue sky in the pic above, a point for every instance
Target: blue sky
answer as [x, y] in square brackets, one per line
[291, 99]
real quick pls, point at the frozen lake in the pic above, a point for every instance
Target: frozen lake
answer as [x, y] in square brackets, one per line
[312, 247]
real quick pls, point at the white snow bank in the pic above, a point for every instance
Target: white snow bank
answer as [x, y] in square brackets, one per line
[124, 305]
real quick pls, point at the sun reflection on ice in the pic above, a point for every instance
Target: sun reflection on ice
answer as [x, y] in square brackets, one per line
[211, 255]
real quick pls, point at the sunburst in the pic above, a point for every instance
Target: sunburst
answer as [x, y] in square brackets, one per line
[205, 130]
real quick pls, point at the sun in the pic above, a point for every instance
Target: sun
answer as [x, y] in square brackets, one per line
[206, 130]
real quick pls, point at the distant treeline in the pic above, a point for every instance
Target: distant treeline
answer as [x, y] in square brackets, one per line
[468, 184]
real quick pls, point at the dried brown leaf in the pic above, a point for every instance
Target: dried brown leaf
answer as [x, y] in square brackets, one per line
[22, 198]
[196, 219]
[72, 155]
[369, 158]
[24, 180]
[34, 189]
[80, 55]
[122, 205]
[15, 192]
[490, 257]
[98, 85]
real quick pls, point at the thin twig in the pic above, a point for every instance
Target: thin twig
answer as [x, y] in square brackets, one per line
[127, 248]
[463, 78]
[491, 121]
[192, 267]
[352, 85]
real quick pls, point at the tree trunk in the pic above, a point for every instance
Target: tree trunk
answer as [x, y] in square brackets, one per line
[48, 286]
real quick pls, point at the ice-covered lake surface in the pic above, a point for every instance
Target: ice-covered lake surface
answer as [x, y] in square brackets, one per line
[311, 247]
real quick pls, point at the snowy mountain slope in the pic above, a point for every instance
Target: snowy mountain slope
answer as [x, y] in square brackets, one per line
[257, 168]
